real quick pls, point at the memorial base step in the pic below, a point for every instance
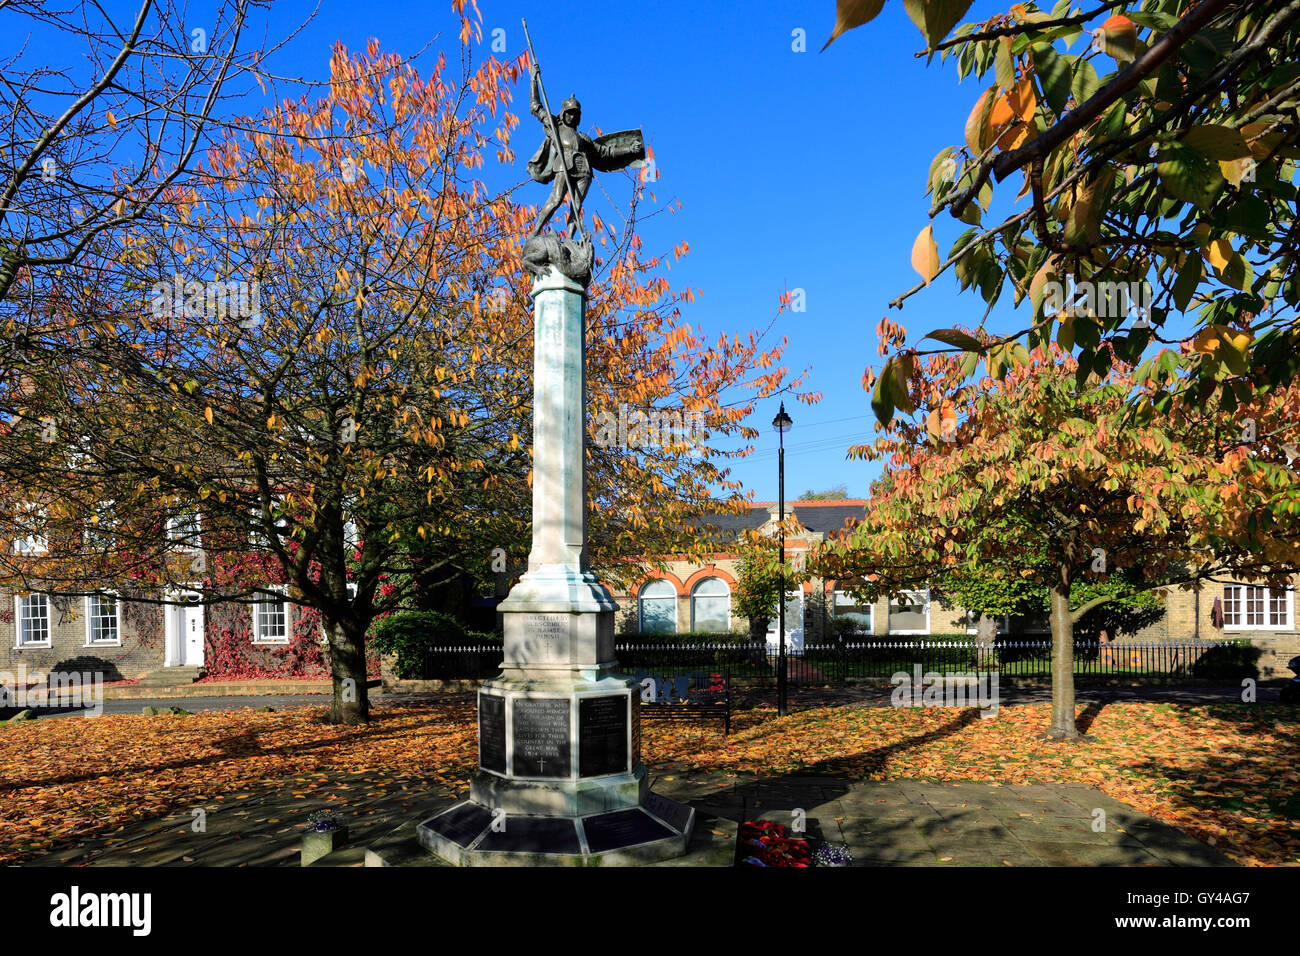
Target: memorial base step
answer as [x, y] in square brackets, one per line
[469, 834]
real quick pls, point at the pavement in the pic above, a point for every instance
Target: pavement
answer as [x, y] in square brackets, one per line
[259, 827]
[921, 823]
[883, 823]
[193, 704]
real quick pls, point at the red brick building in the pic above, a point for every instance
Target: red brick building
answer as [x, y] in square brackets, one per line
[697, 597]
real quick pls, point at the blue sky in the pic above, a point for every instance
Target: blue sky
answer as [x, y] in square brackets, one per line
[794, 170]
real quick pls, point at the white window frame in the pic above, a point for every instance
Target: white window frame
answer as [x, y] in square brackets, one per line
[926, 630]
[640, 617]
[19, 643]
[90, 620]
[32, 543]
[851, 601]
[187, 544]
[730, 594]
[264, 598]
[1268, 593]
[99, 534]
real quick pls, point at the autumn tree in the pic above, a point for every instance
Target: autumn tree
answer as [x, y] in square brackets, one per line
[1157, 144]
[1089, 484]
[327, 353]
[758, 583]
[100, 115]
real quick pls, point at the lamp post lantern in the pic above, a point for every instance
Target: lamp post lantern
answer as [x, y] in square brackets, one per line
[782, 423]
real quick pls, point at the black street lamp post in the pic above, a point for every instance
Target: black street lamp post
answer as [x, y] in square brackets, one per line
[782, 424]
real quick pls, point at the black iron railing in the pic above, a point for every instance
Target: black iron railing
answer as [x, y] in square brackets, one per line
[845, 661]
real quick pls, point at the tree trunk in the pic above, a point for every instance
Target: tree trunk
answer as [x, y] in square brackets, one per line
[1062, 726]
[986, 634]
[351, 704]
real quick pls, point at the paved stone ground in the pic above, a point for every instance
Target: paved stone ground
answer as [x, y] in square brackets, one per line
[919, 823]
[894, 823]
[192, 704]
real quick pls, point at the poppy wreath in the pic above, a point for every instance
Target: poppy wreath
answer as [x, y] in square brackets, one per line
[772, 845]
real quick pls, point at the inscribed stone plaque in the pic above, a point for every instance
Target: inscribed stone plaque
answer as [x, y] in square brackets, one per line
[542, 739]
[546, 638]
[462, 824]
[611, 831]
[534, 835]
[670, 811]
[602, 735]
[492, 732]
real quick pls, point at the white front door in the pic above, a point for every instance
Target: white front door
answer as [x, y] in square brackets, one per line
[192, 631]
[183, 628]
[793, 627]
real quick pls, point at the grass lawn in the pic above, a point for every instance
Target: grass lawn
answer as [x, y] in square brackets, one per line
[1226, 774]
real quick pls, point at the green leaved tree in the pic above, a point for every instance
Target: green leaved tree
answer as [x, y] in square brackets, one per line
[1157, 144]
[1015, 589]
[758, 588]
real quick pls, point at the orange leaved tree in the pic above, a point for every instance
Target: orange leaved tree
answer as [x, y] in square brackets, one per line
[1067, 478]
[327, 355]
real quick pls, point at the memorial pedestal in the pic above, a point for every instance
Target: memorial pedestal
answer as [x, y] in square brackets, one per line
[560, 781]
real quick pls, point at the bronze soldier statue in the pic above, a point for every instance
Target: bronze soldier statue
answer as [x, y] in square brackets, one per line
[568, 157]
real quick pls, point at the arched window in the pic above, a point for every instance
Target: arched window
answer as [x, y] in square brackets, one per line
[658, 607]
[711, 606]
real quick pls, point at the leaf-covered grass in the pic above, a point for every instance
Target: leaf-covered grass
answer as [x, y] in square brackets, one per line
[1225, 774]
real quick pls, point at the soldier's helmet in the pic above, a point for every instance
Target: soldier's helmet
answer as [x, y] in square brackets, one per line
[572, 105]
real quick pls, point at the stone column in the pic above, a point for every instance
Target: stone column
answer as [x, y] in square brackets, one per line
[559, 435]
[560, 779]
[559, 620]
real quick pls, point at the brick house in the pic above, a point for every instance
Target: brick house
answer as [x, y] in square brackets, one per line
[171, 633]
[129, 634]
[109, 634]
[695, 597]
[691, 596]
